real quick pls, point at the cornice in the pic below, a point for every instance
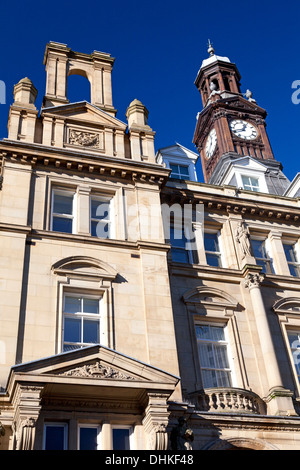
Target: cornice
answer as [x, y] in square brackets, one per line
[67, 160]
[232, 205]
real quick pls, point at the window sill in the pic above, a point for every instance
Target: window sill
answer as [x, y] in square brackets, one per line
[88, 239]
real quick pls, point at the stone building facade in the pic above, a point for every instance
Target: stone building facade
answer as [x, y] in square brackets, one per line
[113, 326]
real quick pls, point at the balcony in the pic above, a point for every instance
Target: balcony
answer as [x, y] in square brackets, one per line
[228, 400]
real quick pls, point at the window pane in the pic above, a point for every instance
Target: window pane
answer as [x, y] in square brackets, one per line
[290, 253]
[90, 331]
[294, 340]
[62, 224]
[203, 332]
[294, 270]
[211, 242]
[250, 183]
[213, 260]
[174, 168]
[206, 355]
[209, 378]
[88, 438]
[121, 439]
[100, 229]
[217, 333]
[90, 305]
[223, 378]
[63, 204]
[258, 248]
[177, 237]
[184, 170]
[72, 330]
[72, 304]
[54, 438]
[99, 209]
[221, 356]
[179, 255]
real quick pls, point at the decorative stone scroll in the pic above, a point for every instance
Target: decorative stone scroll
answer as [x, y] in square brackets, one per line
[96, 371]
[85, 139]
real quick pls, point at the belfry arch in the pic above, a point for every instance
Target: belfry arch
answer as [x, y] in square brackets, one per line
[60, 62]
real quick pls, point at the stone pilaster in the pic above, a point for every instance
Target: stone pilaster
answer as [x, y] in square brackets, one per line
[156, 421]
[27, 404]
[279, 399]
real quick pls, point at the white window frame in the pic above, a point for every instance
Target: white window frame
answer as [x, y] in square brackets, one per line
[68, 192]
[219, 253]
[56, 424]
[188, 251]
[111, 215]
[131, 434]
[251, 185]
[199, 323]
[295, 245]
[82, 316]
[88, 425]
[268, 250]
[178, 175]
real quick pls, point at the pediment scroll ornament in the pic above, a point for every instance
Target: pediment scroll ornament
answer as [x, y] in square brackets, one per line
[96, 371]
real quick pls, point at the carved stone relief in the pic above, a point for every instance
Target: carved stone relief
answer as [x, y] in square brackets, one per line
[96, 371]
[85, 139]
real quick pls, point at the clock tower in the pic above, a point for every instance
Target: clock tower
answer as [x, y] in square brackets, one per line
[231, 125]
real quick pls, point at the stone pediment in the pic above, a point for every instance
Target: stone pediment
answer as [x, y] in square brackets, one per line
[94, 365]
[83, 266]
[85, 114]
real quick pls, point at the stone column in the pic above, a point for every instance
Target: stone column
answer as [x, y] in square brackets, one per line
[106, 435]
[279, 399]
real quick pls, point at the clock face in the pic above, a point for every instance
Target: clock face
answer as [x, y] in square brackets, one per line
[243, 129]
[211, 143]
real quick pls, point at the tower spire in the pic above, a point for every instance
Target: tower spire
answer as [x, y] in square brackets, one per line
[210, 49]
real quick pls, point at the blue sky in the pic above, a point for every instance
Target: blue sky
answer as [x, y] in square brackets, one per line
[159, 47]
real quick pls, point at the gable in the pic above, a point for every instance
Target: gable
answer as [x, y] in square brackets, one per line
[94, 365]
[84, 113]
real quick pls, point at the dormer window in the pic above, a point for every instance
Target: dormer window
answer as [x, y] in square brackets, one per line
[180, 172]
[250, 183]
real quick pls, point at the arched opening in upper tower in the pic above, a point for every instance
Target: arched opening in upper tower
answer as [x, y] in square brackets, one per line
[78, 87]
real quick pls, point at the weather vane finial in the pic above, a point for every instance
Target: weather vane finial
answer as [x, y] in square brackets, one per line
[210, 49]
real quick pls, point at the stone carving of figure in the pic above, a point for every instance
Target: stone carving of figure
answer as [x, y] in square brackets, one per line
[182, 436]
[243, 238]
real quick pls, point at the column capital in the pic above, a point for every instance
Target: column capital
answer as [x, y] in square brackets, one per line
[253, 280]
